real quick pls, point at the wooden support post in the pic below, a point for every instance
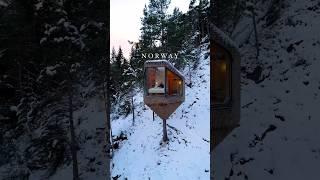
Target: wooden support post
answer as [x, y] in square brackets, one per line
[153, 115]
[165, 135]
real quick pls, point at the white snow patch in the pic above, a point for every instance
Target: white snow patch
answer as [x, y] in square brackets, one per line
[186, 156]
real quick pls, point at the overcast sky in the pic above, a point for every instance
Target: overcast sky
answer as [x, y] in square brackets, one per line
[125, 20]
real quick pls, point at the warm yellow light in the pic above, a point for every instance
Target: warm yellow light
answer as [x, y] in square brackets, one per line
[223, 67]
[180, 82]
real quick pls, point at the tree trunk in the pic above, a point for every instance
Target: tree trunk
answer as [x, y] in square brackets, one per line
[152, 115]
[202, 28]
[20, 78]
[108, 132]
[190, 83]
[72, 136]
[132, 111]
[255, 33]
[165, 135]
[162, 35]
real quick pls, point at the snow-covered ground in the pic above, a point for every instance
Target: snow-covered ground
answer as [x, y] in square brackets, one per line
[186, 156]
[89, 121]
[279, 136]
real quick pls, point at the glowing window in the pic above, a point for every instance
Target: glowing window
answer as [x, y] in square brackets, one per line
[155, 80]
[221, 77]
[174, 84]
[161, 81]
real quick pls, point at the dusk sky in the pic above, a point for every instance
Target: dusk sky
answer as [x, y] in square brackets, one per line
[125, 21]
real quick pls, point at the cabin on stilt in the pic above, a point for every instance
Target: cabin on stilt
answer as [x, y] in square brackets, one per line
[225, 85]
[164, 89]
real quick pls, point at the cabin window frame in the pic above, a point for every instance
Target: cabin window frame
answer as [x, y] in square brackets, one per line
[229, 65]
[180, 89]
[165, 82]
[146, 79]
[165, 94]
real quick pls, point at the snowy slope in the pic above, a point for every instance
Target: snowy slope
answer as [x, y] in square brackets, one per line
[279, 136]
[186, 156]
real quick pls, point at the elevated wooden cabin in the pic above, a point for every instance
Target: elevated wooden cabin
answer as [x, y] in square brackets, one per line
[164, 88]
[225, 85]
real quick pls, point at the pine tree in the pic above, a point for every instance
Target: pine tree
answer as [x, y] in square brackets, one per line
[154, 24]
[113, 55]
[223, 13]
[176, 31]
[49, 38]
[119, 60]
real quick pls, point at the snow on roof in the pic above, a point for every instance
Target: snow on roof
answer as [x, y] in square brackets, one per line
[219, 37]
[166, 63]
[157, 61]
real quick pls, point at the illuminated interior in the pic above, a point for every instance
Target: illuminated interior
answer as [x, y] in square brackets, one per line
[174, 84]
[161, 81]
[156, 80]
[221, 76]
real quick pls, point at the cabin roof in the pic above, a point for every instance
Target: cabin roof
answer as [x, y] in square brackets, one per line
[222, 39]
[163, 63]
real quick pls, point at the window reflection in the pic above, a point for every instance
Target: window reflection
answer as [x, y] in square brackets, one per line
[156, 80]
[163, 81]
